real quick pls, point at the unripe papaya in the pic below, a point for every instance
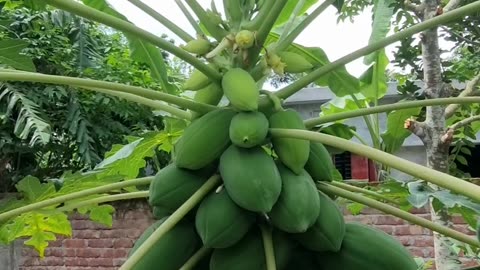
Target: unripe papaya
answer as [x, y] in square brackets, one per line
[319, 164]
[204, 140]
[220, 222]
[240, 89]
[248, 129]
[328, 231]
[293, 153]
[160, 212]
[245, 39]
[251, 178]
[248, 253]
[197, 46]
[196, 81]
[298, 206]
[211, 94]
[171, 251]
[302, 259]
[172, 186]
[283, 247]
[367, 248]
[294, 63]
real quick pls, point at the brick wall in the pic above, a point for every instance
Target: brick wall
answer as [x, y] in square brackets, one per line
[101, 248]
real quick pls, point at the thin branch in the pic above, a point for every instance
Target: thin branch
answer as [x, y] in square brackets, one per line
[162, 19]
[73, 196]
[127, 27]
[312, 122]
[435, 177]
[470, 88]
[319, 72]
[325, 187]
[451, 5]
[465, 122]
[415, 8]
[171, 221]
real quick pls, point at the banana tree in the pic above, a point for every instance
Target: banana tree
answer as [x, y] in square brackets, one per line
[252, 154]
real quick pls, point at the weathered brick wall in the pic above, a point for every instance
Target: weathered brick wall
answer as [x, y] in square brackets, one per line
[101, 248]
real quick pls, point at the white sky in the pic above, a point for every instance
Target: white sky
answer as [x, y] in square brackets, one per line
[335, 39]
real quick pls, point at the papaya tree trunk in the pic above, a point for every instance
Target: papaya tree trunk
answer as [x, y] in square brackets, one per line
[433, 130]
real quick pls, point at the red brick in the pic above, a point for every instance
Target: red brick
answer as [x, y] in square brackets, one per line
[118, 262]
[86, 234]
[100, 243]
[388, 220]
[120, 253]
[386, 228]
[422, 252]
[123, 243]
[116, 233]
[97, 262]
[88, 252]
[52, 261]
[423, 241]
[69, 252]
[75, 243]
[55, 251]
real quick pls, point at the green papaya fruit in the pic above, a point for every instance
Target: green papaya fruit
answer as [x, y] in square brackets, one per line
[248, 129]
[298, 206]
[171, 251]
[211, 94]
[328, 231]
[302, 259]
[196, 81]
[293, 153]
[367, 248]
[248, 253]
[197, 46]
[250, 177]
[294, 63]
[204, 140]
[240, 89]
[172, 186]
[283, 247]
[319, 164]
[160, 212]
[220, 222]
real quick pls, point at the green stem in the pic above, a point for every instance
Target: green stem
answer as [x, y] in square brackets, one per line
[291, 20]
[371, 129]
[148, 102]
[389, 107]
[216, 31]
[398, 213]
[171, 221]
[189, 17]
[127, 27]
[268, 247]
[319, 72]
[362, 190]
[277, 104]
[260, 17]
[438, 178]
[88, 83]
[193, 261]
[103, 199]
[265, 29]
[72, 196]
[282, 45]
[358, 136]
[161, 19]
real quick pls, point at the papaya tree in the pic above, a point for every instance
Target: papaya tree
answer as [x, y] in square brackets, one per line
[243, 189]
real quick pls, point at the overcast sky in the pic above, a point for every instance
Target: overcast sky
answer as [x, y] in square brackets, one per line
[336, 39]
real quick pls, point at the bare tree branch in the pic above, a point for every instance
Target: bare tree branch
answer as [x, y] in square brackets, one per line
[415, 8]
[469, 41]
[469, 91]
[417, 128]
[452, 4]
[448, 136]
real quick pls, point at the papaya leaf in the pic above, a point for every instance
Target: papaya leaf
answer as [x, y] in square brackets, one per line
[382, 14]
[355, 208]
[395, 134]
[141, 51]
[10, 50]
[341, 104]
[99, 213]
[373, 83]
[34, 191]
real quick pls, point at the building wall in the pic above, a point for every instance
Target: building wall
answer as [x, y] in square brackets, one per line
[101, 248]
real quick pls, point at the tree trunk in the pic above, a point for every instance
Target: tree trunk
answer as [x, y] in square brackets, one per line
[434, 128]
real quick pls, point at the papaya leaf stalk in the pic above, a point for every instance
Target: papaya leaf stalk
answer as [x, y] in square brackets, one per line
[72, 196]
[268, 247]
[319, 72]
[103, 199]
[327, 188]
[215, 30]
[96, 84]
[171, 221]
[193, 261]
[189, 17]
[444, 180]
[124, 26]
[363, 191]
[309, 123]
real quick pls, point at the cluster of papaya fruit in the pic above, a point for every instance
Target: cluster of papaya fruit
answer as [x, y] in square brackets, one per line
[267, 185]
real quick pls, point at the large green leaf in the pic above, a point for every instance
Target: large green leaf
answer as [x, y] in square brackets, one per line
[374, 81]
[290, 6]
[10, 50]
[141, 51]
[396, 133]
[382, 14]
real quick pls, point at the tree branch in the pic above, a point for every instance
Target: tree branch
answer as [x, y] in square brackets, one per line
[469, 41]
[415, 8]
[469, 91]
[451, 5]
[448, 136]
[417, 128]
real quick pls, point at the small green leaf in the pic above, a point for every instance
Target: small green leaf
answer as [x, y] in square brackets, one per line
[355, 208]
[99, 213]
[466, 151]
[10, 54]
[462, 160]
